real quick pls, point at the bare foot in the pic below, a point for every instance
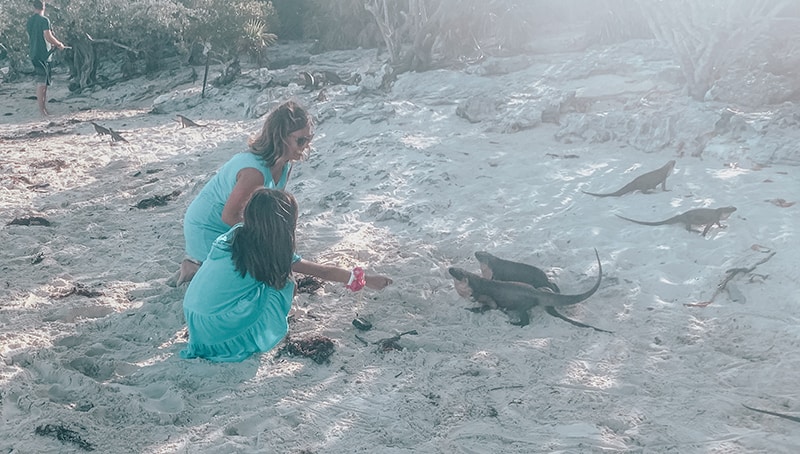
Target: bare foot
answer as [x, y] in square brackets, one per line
[188, 270]
[172, 281]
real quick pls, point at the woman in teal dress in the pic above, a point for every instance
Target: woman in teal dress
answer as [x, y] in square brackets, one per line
[238, 301]
[284, 138]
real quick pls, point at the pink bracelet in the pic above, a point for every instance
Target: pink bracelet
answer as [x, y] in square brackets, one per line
[357, 279]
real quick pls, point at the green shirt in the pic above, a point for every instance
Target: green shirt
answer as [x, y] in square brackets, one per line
[37, 24]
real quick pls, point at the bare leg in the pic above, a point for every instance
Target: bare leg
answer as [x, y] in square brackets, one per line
[188, 269]
[41, 99]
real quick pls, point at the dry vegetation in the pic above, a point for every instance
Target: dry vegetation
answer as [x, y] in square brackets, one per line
[127, 38]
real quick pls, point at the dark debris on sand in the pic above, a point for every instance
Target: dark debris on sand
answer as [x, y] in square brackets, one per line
[77, 289]
[308, 284]
[157, 201]
[57, 164]
[61, 433]
[35, 134]
[30, 220]
[318, 348]
[393, 343]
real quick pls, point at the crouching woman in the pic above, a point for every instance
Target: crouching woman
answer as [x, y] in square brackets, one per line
[238, 302]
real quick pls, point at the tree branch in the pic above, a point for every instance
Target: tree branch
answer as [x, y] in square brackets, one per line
[733, 272]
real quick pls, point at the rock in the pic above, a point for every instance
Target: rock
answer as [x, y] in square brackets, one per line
[478, 108]
[180, 100]
[269, 99]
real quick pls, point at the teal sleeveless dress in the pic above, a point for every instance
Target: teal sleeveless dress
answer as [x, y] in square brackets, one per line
[231, 317]
[202, 223]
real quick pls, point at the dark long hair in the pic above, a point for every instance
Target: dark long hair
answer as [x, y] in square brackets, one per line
[264, 245]
[285, 119]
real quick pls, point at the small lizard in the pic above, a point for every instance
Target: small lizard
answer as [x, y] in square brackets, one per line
[498, 269]
[332, 78]
[698, 216]
[514, 297]
[645, 182]
[115, 137]
[309, 81]
[187, 123]
[493, 267]
[99, 129]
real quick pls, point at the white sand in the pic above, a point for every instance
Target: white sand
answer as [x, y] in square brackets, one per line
[400, 184]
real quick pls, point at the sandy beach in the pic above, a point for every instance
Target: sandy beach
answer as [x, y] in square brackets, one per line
[407, 183]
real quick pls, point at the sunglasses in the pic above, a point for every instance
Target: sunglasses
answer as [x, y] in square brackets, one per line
[304, 140]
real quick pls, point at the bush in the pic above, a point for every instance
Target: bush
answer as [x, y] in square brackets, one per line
[150, 29]
[340, 24]
[709, 38]
[224, 23]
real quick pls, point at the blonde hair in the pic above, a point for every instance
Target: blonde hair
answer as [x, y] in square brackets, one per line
[270, 143]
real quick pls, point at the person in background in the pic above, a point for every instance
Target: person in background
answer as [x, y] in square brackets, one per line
[284, 138]
[238, 302]
[39, 35]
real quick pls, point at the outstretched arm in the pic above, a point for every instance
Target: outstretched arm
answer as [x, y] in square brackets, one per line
[336, 274]
[51, 38]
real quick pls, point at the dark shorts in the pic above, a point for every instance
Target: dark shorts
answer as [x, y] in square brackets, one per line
[42, 70]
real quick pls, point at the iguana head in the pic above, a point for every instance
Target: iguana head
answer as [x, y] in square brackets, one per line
[725, 212]
[461, 282]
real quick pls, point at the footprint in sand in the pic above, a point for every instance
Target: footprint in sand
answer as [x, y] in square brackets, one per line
[95, 368]
[162, 399]
[252, 425]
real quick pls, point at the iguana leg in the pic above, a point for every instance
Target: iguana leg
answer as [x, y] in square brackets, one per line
[524, 318]
[486, 301]
[478, 310]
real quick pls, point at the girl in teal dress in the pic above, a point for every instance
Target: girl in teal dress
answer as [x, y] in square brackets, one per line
[284, 138]
[238, 301]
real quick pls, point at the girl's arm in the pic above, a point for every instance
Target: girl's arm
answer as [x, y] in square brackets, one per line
[247, 181]
[336, 274]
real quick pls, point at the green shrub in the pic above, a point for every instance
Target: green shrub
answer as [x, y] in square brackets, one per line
[223, 23]
[152, 29]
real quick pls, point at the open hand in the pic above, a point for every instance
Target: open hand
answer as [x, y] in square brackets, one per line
[377, 282]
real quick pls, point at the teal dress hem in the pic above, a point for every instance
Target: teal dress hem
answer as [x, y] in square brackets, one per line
[229, 316]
